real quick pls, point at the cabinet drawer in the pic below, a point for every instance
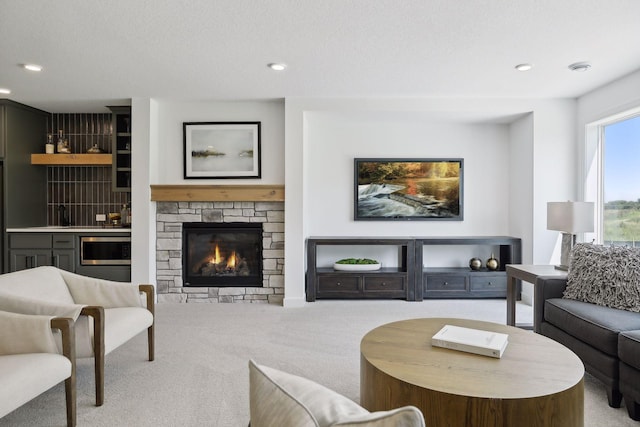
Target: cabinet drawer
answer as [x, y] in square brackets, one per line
[384, 283]
[30, 241]
[64, 241]
[338, 284]
[488, 283]
[445, 282]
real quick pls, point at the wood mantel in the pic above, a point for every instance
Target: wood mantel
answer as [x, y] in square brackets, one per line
[217, 193]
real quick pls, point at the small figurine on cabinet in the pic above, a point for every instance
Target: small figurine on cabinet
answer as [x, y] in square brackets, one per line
[492, 263]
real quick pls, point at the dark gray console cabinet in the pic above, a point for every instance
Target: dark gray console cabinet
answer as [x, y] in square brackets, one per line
[387, 283]
[445, 282]
[411, 280]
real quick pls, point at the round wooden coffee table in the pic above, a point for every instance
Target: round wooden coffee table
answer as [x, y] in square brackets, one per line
[537, 382]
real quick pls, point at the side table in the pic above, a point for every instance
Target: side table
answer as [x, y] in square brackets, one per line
[527, 273]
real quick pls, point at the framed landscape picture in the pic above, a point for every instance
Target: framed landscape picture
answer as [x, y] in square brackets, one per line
[408, 189]
[221, 149]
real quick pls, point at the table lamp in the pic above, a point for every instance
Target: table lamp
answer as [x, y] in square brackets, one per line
[569, 218]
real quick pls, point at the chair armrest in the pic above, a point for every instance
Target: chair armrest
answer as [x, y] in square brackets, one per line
[149, 292]
[546, 287]
[67, 328]
[38, 306]
[27, 333]
[97, 313]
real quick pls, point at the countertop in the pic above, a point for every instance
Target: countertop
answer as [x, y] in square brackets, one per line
[70, 229]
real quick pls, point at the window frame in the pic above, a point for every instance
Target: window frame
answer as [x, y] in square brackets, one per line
[594, 158]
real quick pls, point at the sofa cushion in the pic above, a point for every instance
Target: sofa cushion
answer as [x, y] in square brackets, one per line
[25, 376]
[122, 324]
[596, 325]
[281, 399]
[629, 348]
[605, 275]
[105, 293]
[36, 283]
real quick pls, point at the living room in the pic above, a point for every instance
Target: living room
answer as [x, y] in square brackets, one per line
[521, 133]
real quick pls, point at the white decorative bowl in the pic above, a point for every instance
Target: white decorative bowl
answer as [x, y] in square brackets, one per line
[357, 267]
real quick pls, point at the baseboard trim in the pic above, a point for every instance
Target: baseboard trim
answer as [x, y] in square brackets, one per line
[297, 302]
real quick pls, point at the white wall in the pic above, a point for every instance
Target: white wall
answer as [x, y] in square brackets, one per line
[169, 149]
[157, 158]
[555, 166]
[521, 189]
[143, 257]
[335, 139]
[323, 136]
[309, 144]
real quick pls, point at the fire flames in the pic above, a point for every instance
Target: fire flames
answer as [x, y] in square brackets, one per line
[218, 259]
[231, 262]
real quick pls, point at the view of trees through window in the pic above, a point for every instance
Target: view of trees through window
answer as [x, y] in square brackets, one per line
[621, 182]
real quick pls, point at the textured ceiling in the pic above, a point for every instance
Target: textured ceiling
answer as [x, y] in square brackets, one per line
[98, 53]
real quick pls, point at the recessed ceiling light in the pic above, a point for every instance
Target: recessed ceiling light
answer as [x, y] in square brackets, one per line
[580, 66]
[524, 67]
[4, 91]
[32, 67]
[277, 66]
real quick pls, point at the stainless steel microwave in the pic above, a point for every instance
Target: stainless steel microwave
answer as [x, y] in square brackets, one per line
[105, 250]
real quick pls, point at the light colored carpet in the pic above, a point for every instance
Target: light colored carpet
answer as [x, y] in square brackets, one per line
[200, 375]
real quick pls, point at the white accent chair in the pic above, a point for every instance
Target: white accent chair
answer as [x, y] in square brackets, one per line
[107, 314]
[279, 399]
[30, 363]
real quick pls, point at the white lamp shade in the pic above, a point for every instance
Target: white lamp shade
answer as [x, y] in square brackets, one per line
[570, 217]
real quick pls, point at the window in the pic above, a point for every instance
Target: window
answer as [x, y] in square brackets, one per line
[620, 181]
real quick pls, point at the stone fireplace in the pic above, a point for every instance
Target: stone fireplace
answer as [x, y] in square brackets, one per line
[235, 285]
[222, 254]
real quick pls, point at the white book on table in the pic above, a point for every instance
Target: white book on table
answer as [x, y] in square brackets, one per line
[476, 341]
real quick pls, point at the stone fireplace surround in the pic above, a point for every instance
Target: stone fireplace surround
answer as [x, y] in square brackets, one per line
[170, 215]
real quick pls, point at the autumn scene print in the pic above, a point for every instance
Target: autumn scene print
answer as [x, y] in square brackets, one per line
[406, 189]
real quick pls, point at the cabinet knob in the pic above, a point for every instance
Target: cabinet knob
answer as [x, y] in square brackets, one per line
[445, 283]
[338, 284]
[384, 284]
[490, 284]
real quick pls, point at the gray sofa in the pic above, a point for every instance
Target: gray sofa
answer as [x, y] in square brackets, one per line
[606, 339]
[593, 333]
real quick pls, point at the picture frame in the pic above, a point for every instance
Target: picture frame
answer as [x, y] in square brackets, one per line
[221, 150]
[408, 189]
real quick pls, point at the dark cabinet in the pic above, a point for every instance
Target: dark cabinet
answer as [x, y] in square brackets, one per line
[386, 283]
[62, 250]
[23, 188]
[411, 280]
[30, 250]
[121, 148]
[456, 282]
[443, 284]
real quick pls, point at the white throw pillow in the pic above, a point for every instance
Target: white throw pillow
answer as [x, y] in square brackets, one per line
[279, 399]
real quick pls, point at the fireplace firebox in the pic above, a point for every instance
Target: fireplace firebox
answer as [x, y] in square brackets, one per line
[222, 254]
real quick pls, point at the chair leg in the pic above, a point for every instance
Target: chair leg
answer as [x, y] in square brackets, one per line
[151, 342]
[99, 368]
[614, 397]
[70, 393]
[633, 408]
[67, 327]
[97, 313]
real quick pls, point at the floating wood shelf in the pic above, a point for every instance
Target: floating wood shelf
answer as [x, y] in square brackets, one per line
[217, 193]
[71, 159]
